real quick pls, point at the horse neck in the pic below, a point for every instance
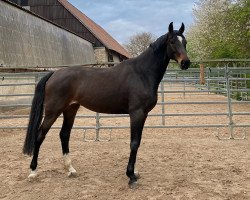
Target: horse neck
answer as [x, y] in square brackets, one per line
[153, 66]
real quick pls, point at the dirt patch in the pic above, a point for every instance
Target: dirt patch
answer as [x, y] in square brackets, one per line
[174, 164]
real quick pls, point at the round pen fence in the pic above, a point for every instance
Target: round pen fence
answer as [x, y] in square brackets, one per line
[215, 94]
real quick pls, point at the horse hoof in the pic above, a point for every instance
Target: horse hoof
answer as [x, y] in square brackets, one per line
[32, 176]
[72, 174]
[137, 175]
[133, 184]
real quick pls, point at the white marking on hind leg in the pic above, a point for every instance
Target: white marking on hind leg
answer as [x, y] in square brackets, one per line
[68, 165]
[32, 175]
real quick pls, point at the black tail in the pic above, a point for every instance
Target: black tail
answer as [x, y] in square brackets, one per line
[36, 115]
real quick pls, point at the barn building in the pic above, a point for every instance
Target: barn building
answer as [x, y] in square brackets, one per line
[61, 12]
[28, 40]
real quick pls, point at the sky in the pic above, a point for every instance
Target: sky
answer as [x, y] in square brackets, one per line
[125, 18]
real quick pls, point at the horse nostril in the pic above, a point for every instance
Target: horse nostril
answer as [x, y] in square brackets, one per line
[185, 64]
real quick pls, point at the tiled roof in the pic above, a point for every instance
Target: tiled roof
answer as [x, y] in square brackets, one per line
[95, 29]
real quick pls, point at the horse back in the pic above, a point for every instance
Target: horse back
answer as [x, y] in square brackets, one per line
[98, 89]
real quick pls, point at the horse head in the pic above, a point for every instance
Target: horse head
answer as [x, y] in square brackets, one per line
[176, 46]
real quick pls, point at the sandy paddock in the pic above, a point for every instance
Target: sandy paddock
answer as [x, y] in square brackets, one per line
[179, 163]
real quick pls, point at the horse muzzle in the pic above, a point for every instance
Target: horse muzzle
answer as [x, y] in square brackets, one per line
[185, 64]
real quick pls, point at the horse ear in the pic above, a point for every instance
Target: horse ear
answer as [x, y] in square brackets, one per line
[182, 29]
[170, 27]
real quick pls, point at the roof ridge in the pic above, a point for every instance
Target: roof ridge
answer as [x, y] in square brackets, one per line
[103, 36]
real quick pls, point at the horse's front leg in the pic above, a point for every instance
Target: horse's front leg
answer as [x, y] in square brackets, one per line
[137, 120]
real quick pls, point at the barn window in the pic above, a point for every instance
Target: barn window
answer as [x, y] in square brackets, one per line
[110, 57]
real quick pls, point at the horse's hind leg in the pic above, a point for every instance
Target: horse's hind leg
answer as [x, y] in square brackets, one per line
[43, 130]
[68, 121]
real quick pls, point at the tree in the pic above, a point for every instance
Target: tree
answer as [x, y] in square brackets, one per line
[220, 29]
[239, 14]
[139, 43]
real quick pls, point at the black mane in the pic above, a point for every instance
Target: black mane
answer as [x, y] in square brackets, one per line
[159, 43]
[159, 48]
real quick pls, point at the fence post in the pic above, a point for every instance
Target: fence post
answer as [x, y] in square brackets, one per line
[36, 79]
[229, 103]
[202, 75]
[184, 87]
[163, 105]
[208, 79]
[97, 128]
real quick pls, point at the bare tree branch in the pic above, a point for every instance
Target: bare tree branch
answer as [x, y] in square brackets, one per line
[139, 43]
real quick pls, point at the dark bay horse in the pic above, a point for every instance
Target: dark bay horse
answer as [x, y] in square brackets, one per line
[128, 88]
